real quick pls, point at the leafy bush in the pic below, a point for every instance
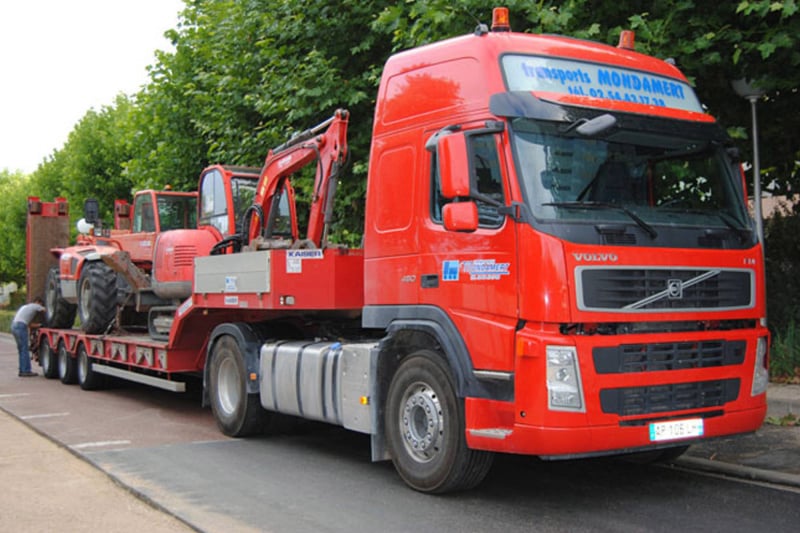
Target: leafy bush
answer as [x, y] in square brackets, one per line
[782, 250]
[5, 320]
[785, 354]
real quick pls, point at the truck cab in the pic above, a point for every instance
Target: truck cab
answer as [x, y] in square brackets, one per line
[574, 241]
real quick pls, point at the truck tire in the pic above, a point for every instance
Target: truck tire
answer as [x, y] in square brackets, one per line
[59, 313]
[237, 413]
[67, 366]
[425, 428]
[97, 297]
[88, 379]
[47, 359]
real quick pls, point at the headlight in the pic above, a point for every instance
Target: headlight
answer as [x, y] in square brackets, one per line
[761, 370]
[564, 388]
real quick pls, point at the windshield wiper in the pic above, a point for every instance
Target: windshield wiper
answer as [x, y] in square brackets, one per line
[650, 230]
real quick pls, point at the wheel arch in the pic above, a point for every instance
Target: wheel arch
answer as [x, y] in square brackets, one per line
[410, 329]
[250, 343]
[417, 327]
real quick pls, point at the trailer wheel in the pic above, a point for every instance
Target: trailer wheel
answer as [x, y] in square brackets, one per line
[97, 297]
[238, 414]
[59, 313]
[67, 366]
[88, 379]
[425, 429]
[47, 359]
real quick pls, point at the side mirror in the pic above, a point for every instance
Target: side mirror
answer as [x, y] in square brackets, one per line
[460, 216]
[454, 166]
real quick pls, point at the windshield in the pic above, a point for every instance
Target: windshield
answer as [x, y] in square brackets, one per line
[635, 177]
[244, 191]
[177, 211]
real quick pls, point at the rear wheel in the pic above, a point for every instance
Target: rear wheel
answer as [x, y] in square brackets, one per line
[58, 312]
[238, 414]
[425, 429]
[88, 379]
[47, 359]
[67, 366]
[97, 297]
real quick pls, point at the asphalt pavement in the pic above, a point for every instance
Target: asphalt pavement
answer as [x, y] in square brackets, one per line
[771, 454]
[47, 485]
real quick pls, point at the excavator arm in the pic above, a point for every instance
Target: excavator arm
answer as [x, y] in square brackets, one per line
[329, 149]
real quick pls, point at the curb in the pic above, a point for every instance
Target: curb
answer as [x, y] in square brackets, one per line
[739, 471]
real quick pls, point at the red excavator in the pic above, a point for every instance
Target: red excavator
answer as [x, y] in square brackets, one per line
[144, 266]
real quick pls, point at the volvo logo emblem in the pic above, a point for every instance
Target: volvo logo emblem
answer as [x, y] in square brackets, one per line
[674, 289]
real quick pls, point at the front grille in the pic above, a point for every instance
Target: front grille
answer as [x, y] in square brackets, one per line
[632, 401]
[629, 358]
[658, 290]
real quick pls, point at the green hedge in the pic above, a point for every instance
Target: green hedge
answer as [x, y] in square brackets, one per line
[6, 317]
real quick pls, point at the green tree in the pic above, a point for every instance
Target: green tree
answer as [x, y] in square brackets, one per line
[246, 74]
[91, 164]
[13, 210]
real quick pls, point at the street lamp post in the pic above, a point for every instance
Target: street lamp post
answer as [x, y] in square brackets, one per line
[745, 89]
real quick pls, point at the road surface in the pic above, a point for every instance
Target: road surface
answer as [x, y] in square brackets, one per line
[320, 478]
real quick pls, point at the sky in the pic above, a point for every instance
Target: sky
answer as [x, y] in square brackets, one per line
[60, 58]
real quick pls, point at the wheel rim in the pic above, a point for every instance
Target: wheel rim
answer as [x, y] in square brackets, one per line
[421, 422]
[86, 298]
[83, 366]
[62, 362]
[228, 387]
[51, 300]
[45, 358]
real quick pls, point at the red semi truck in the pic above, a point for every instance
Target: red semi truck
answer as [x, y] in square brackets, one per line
[557, 261]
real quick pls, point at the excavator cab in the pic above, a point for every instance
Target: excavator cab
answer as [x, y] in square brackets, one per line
[225, 193]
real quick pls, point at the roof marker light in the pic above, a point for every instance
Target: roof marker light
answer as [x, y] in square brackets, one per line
[627, 40]
[500, 19]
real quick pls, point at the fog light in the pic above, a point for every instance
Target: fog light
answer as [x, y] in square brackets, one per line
[564, 388]
[761, 370]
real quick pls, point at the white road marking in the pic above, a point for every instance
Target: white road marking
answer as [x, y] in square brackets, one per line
[43, 415]
[14, 395]
[100, 444]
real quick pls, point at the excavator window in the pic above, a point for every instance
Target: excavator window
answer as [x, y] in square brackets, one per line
[282, 220]
[144, 218]
[243, 190]
[214, 205]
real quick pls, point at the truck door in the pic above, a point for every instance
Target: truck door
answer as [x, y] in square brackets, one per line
[472, 275]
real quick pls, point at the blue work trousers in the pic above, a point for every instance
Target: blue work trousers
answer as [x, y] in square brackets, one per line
[20, 332]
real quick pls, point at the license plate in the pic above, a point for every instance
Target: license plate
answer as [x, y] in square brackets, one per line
[676, 429]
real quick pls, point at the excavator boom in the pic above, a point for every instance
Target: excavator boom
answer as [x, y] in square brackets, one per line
[329, 149]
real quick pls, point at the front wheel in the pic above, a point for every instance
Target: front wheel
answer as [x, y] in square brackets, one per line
[425, 429]
[238, 414]
[97, 297]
